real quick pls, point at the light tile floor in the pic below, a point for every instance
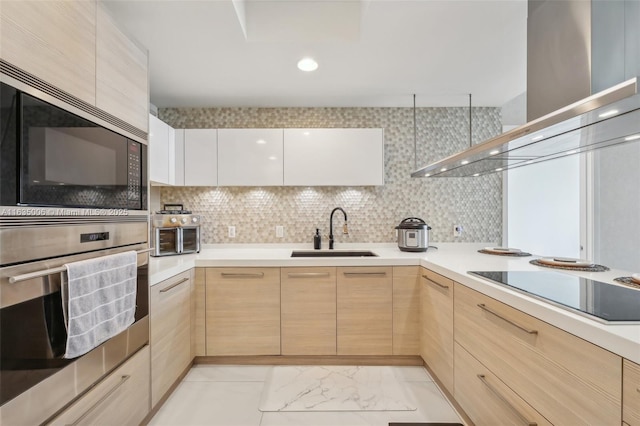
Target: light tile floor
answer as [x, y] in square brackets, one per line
[229, 395]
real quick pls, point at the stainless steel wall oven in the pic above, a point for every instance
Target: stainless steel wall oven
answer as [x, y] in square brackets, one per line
[36, 380]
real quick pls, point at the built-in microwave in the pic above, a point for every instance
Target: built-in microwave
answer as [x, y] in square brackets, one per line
[52, 157]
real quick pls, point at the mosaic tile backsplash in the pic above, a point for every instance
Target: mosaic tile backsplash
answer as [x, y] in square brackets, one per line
[373, 212]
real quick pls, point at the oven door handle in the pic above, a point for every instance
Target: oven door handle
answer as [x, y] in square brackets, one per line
[50, 271]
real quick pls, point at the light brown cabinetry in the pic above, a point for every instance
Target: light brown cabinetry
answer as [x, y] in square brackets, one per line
[198, 321]
[631, 393]
[486, 399]
[122, 398]
[364, 311]
[122, 87]
[243, 311]
[567, 379]
[53, 40]
[406, 310]
[170, 327]
[436, 339]
[308, 311]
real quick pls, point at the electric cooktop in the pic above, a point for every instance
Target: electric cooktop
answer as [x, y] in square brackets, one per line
[606, 303]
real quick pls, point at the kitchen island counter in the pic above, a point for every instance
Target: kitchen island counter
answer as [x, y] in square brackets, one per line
[452, 260]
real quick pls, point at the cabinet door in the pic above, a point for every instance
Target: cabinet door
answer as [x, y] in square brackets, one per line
[333, 157]
[364, 311]
[170, 324]
[198, 322]
[406, 310]
[486, 399]
[250, 157]
[122, 84]
[200, 157]
[53, 40]
[567, 379]
[436, 304]
[122, 398]
[158, 151]
[308, 311]
[631, 393]
[243, 311]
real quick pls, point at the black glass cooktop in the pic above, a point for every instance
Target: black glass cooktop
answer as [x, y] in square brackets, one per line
[604, 302]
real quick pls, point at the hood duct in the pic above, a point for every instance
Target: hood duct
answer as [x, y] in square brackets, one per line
[573, 49]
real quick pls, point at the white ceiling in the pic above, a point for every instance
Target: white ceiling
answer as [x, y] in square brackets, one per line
[199, 55]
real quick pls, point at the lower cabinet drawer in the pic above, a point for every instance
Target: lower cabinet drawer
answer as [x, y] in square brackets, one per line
[485, 398]
[567, 379]
[122, 398]
[631, 393]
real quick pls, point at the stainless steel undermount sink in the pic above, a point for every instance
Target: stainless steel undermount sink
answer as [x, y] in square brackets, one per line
[333, 253]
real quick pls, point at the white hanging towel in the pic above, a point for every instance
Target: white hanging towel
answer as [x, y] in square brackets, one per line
[99, 297]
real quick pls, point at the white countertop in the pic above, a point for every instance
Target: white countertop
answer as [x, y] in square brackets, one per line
[451, 259]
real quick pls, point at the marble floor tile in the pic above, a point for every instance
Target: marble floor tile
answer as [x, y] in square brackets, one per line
[334, 388]
[412, 374]
[212, 404]
[227, 373]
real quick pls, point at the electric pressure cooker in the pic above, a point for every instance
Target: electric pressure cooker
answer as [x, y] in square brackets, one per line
[413, 234]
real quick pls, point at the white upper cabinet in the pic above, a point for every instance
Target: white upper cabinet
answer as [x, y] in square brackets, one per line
[200, 157]
[159, 154]
[333, 157]
[250, 157]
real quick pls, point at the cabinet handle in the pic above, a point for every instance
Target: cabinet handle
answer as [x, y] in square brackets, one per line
[364, 274]
[242, 274]
[164, 290]
[505, 401]
[435, 282]
[101, 400]
[492, 312]
[307, 274]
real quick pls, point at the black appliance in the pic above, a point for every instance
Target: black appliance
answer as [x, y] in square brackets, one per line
[52, 157]
[603, 302]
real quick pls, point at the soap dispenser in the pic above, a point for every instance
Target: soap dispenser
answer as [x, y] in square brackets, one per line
[317, 240]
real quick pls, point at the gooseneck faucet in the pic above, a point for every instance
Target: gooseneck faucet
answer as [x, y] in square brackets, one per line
[344, 227]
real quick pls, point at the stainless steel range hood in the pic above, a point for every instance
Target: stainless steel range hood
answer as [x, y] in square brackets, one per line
[606, 118]
[573, 49]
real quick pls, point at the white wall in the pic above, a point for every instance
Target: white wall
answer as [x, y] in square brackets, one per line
[543, 208]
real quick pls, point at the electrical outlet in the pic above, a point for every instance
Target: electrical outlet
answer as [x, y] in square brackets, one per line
[279, 231]
[457, 230]
[232, 232]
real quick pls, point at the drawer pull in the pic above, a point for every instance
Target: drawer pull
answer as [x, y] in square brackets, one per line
[242, 274]
[101, 400]
[365, 274]
[307, 274]
[492, 312]
[164, 290]
[494, 391]
[435, 282]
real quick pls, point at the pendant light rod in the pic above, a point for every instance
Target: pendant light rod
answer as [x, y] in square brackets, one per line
[415, 139]
[470, 141]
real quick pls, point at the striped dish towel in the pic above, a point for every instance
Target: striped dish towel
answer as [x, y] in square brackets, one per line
[99, 300]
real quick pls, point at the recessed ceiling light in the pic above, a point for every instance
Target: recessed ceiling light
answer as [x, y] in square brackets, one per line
[632, 137]
[494, 152]
[537, 138]
[608, 113]
[444, 169]
[261, 142]
[463, 162]
[307, 64]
